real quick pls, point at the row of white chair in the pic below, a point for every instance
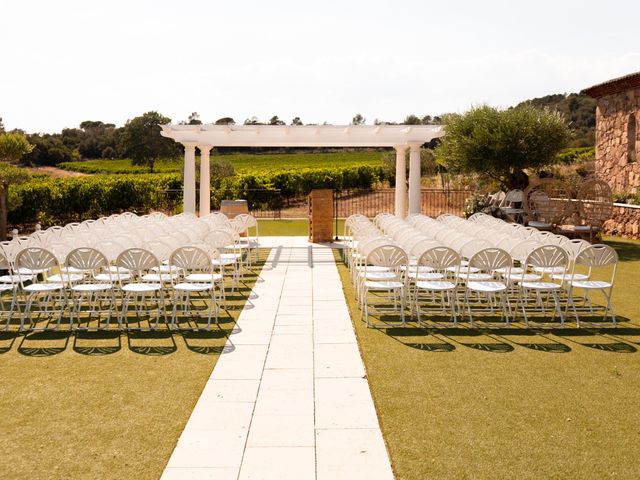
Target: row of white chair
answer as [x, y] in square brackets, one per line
[89, 284]
[486, 271]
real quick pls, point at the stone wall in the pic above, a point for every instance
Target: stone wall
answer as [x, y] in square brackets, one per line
[625, 222]
[612, 159]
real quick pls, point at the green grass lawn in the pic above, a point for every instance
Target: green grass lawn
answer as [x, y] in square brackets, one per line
[511, 403]
[294, 228]
[243, 163]
[108, 405]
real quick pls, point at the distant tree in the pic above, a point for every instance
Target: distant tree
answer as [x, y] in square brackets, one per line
[48, 149]
[579, 110]
[500, 144]
[253, 121]
[1, 125]
[12, 147]
[275, 121]
[296, 121]
[109, 152]
[71, 137]
[412, 120]
[225, 121]
[358, 120]
[143, 143]
[194, 119]
[94, 137]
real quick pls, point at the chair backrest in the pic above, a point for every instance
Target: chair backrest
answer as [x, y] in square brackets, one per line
[160, 249]
[469, 249]
[5, 264]
[190, 258]
[440, 258]
[512, 198]
[34, 258]
[219, 238]
[595, 202]
[521, 250]
[424, 245]
[491, 259]
[137, 260]
[86, 259]
[110, 248]
[598, 255]
[390, 256]
[548, 256]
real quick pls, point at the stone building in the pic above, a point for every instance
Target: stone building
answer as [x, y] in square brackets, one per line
[618, 132]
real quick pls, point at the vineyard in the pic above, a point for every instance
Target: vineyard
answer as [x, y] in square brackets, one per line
[243, 163]
[115, 185]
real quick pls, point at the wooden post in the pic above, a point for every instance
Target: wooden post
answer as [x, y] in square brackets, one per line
[321, 216]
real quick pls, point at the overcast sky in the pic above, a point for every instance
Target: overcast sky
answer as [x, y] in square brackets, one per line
[67, 61]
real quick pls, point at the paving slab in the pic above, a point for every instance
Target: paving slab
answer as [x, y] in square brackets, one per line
[289, 399]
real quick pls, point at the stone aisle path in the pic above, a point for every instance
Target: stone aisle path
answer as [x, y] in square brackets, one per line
[289, 400]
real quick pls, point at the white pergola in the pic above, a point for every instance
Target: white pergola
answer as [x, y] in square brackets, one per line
[205, 137]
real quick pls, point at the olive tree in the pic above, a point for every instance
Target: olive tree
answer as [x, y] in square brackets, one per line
[502, 143]
[13, 146]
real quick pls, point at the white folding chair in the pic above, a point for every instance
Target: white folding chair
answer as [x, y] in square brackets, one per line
[96, 295]
[547, 258]
[49, 297]
[392, 258]
[486, 282]
[597, 259]
[138, 262]
[197, 282]
[440, 283]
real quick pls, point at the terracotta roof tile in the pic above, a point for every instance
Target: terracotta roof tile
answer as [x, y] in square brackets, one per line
[615, 85]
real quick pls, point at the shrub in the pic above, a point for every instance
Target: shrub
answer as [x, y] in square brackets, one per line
[63, 200]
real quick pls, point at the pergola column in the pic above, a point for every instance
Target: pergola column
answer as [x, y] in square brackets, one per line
[205, 180]
[415, 200]
[189, 186]
[401, 182]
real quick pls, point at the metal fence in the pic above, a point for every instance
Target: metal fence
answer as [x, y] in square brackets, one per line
[371, 202]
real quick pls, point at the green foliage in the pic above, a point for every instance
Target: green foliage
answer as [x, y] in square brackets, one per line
[243, 163]
[13, 146]
[72, 199]
[477, 202]
[142, 141]
[501, 143]
[299, 182]
[358, 119]
[220, 168]
[576, 155]
[10, 174]
[579, 110]
[49, 150]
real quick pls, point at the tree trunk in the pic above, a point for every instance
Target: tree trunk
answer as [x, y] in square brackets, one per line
[4, 190]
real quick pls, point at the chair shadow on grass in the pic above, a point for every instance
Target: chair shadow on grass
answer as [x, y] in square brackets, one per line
[207, 342]
[7, 340]
[532, 339]
[604, 339]
[44, 343]
[97, 343]
[420, 339]
[151, 342]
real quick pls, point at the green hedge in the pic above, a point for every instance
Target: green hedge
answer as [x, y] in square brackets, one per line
[59, 200]
[298, 183]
